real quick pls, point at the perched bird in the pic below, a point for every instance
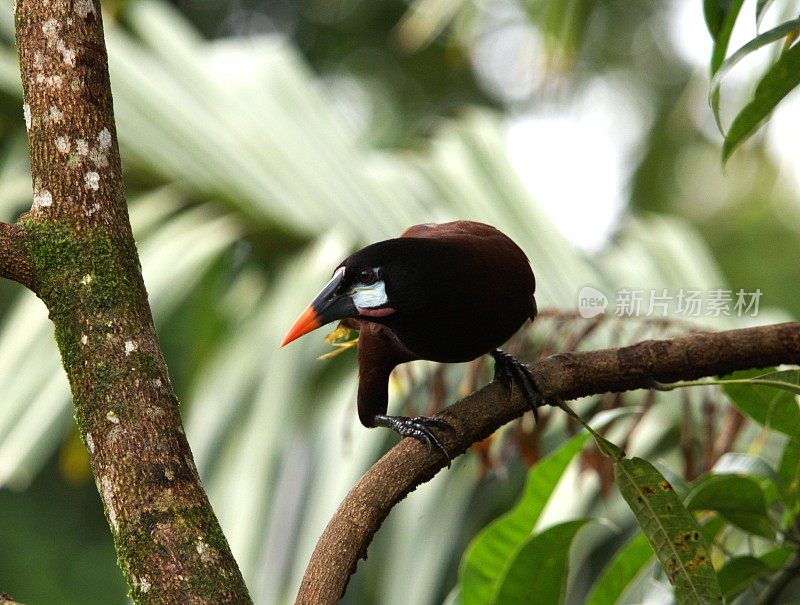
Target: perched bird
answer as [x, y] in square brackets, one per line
[446, 292]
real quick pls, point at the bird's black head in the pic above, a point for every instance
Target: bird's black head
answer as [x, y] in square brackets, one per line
[363, 285]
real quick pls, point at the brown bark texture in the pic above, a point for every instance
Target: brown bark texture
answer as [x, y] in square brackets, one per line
[75, 249]
[14, 264]
[568, 376]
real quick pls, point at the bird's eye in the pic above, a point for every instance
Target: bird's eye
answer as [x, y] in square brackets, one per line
[367, 276]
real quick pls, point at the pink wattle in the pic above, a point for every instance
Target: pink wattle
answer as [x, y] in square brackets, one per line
[375, 312]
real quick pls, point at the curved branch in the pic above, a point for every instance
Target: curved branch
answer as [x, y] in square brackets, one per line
[571, 375]
[14, 263]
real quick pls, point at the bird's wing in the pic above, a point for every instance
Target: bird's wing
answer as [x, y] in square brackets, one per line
[479, 235]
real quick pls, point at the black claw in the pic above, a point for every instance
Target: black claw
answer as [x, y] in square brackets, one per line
[508, 370]
[418, 428]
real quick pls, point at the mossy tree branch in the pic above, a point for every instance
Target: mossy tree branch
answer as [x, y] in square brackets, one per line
[569, 376]
[14, 264]
[75, 249]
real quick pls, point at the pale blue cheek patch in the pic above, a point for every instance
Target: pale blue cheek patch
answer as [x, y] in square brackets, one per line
[368, 297]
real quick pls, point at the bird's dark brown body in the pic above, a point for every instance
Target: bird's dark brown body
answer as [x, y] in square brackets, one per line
[469, 288]
[445, 292]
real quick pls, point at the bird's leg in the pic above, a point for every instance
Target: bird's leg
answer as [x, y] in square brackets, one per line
[508, 370]
[419, 428]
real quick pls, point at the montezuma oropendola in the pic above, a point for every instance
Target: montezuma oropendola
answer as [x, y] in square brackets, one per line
[447, 292]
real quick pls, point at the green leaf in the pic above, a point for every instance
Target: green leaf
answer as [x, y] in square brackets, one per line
[789, 475]
[777, 558]
[739, 573]
[734, 463]
[711, 526]
[538, 571]
[714, 13]
[788, 380]
[757, 468]
[768, 37]
[491, 550]
[781, 78]
[672, 531]
[628, 563]
[720, 18]
[738, 498]
[772, 408]
[678, 483]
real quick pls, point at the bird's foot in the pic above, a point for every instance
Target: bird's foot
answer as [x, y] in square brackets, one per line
[419, 428]
[508, 370]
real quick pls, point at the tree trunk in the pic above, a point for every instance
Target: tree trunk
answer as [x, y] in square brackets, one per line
[76, 251]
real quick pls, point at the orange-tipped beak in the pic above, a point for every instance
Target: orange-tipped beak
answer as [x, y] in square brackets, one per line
[328, 306]
[308, 321]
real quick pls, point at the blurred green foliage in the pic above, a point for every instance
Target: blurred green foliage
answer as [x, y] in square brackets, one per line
[262, 141]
